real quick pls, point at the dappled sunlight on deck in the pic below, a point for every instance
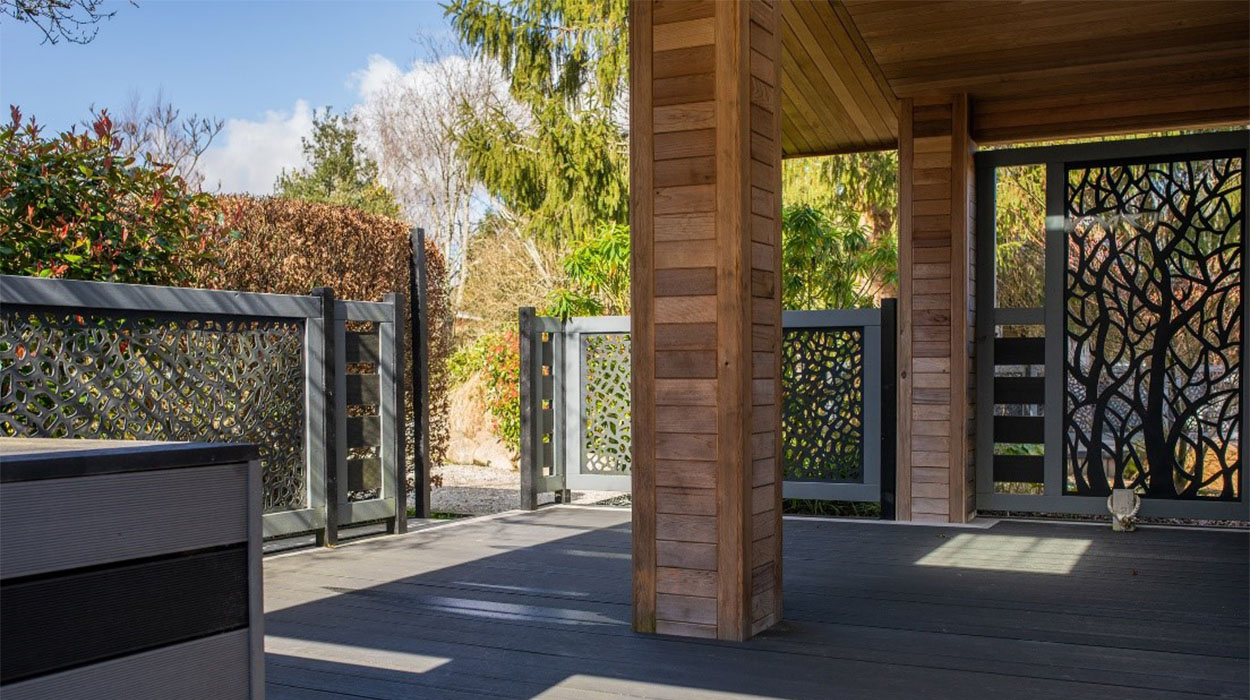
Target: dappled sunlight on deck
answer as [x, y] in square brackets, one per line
[1034, 555]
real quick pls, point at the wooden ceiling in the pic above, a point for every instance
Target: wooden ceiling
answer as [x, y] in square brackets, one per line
[1039, 69]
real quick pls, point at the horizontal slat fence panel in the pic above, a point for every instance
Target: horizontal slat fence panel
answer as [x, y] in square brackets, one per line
[363, 431]
[361, 347]
[1020, 429]
[363, 389]
[1022, 469]
[1019, 351]
[1017, 390]
[364, 474]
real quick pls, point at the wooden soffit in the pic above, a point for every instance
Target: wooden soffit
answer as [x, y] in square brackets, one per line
[1038, 69]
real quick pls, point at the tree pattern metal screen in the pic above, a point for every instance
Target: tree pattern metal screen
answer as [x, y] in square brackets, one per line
[1153, 328]
[605, 400]
[159, 378]
[822, 379]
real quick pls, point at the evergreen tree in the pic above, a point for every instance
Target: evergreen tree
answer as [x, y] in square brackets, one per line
[562, 166]
[337, 172]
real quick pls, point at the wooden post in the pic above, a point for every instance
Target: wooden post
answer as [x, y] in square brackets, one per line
[937, 313]
[329, 536]
[706, 320]
[420, 377]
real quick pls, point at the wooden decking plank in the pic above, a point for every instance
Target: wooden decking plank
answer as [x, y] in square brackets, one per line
[536, 605]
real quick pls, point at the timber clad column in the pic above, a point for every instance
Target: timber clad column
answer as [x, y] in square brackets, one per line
[937, 242]
[705, 213]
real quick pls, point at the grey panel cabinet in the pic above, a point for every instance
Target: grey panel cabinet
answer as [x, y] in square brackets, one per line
[130, 570]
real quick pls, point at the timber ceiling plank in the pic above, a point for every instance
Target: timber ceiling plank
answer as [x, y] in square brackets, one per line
[1031, 68]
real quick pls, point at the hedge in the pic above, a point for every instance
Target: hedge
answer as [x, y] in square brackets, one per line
[288, 247]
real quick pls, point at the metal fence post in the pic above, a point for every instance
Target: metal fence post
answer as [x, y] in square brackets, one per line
[393, 397]
[329, 536]
[420, 378]
[529, 410]
[889, 406]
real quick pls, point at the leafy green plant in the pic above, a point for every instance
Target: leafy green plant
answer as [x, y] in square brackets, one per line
[75, 206]
[598, 275]
[496, 356]
[832, 263]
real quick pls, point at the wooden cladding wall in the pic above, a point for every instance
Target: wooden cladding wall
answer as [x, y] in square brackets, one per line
[705, 215]
[936, 279]
[765, 268]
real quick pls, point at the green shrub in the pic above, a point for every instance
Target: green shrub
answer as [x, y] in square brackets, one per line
[74, 206]
[287, 246]
[496, 356]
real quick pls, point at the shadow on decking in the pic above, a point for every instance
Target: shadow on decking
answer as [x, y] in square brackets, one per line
[537, 605]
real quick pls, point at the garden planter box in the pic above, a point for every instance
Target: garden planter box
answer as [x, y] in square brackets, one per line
[130, 570]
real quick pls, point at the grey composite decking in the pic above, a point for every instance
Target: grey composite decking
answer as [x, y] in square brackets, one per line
[536, 605]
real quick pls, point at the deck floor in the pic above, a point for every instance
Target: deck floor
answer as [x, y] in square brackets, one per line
[536, 605]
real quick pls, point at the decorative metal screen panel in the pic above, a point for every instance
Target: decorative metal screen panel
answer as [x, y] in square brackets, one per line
[822, 421]
[198, 378]
[605, 401]
[1152, 334]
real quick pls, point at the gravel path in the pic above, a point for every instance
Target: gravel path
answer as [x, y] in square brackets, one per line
[476, 490]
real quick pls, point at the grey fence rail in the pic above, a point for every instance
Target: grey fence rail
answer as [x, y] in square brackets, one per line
[316, 382]
[838, 413]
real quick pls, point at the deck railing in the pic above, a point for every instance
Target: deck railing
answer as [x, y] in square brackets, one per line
[317, 383]
[837, 405]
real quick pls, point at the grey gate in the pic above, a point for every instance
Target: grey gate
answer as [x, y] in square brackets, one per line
[837, 405]
[1129, 375]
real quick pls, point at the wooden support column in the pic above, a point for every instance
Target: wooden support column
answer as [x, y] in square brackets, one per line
[705, 217]
[937, 314]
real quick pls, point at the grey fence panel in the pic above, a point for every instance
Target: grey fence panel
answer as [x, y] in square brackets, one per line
[103, 360]
[576, 424]
[1050, 470]
[831, 404]
[596, 366]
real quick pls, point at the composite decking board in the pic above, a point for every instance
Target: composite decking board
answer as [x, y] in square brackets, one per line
[858, 641]
[856, 638]
[962, 618]
[870, 624]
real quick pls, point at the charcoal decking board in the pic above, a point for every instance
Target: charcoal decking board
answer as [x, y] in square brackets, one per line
[538, 605]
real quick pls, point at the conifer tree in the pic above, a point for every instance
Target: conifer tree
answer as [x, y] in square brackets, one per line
[562, 167]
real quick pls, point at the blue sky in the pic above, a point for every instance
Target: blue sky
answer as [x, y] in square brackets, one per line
[249, 62]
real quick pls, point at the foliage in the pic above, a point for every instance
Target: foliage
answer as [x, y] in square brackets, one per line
[1020, 223]
[337, 171]
[854, 185]
[60, 20]
[159, 131]
[831, 509]
[839, 230]
[289, 247]
[832, 264]
[410, 123]
[76, 206]
[598, 275]
[497, 357]
[562, 169]
[504, 272]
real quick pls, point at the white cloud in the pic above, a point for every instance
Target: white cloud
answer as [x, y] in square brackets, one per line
[251, 154]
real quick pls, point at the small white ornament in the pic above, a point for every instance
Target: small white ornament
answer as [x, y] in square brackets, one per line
[1123, 504]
